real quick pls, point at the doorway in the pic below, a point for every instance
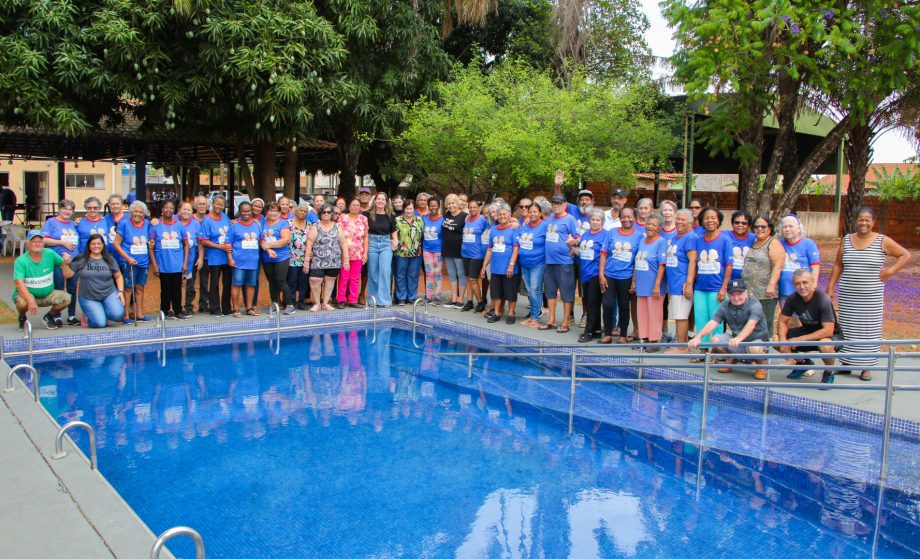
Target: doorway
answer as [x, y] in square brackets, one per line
[36, 189]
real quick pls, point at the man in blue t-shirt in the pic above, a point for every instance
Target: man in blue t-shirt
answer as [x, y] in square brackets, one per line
[559, 278]
[213, 237]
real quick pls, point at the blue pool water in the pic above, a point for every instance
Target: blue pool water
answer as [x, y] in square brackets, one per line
[338, 447]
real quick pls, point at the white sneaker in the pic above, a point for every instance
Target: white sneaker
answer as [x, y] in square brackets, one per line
[289, 309]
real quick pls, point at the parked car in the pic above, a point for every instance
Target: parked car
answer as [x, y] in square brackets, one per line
[238, 198]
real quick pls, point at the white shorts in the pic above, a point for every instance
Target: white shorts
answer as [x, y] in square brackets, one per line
[679, 307]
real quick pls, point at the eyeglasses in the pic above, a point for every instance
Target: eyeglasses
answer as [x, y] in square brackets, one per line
[524, 206]
[92, 207]
[325, 212]
[760, 227]
[739, 223]
[696, 207]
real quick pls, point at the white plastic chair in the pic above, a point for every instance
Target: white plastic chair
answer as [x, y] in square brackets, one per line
[14, 236]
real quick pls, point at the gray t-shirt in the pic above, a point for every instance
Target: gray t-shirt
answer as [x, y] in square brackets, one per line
[736, 318]
[96, 281]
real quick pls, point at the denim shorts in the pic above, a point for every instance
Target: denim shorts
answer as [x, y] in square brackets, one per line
[249, 278]
[139, 278]
[559, 277]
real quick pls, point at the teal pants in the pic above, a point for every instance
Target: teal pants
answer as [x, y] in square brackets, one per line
[705, 305]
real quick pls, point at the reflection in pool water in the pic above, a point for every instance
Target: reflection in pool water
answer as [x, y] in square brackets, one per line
[338, 447]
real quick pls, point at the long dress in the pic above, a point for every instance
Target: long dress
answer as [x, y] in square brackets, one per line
[861, 295]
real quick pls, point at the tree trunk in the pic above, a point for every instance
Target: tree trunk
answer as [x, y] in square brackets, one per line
[858, 152]
[291, 175]
[264, 164]
[817, 156]
[243, 167]
[347, 152]
[788, 92]
[749, 177]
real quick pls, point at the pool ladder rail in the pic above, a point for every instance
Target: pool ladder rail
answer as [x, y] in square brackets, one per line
[172, 533]
[23, 367]
[59, 451]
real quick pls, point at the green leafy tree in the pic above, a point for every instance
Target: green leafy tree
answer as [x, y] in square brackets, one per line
[898, 184]
[760, 58]
[511, 129]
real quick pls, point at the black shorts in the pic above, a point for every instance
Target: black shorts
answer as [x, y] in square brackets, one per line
[324, 272]
[807, 347]
[505, 288]
[472, 267]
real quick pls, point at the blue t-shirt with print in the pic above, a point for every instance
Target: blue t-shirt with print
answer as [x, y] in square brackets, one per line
[678, 263]
[472, 245]
[740, 248]
[169, 248]
[192, 228]
[583, 221]
[217, 231]
[62, 231]
[532, 244]
[433, 237]
[711, 259]
[272, 233]
[312, 217]
[621, 252]
[558, 230]
[800, 254]
[86, 228]
[245, 241]
[502, 242]
[649, 259]
[589, 253]
[111, 227]
[134, 240]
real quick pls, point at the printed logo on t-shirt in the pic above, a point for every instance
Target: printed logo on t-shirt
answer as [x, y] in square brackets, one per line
[586, 250]
[70, 236]
[222, 235]
[250, 241]
[39, 282]
[672, 255]
[112, 234]
[642, 260]
[270, 235]
[99, 230]
[709, 262]
[139, 245]
[583, 227]
[622, 251]
[469, 235]
[170, 240]
[792, 262]
[431, 233]
[738, 256]
[525, 241]
[484, 238]
[499, 244]
[552, 233]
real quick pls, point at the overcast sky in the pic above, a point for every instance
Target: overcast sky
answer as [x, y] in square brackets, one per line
[889, 148]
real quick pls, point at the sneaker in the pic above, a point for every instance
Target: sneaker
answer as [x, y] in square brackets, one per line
[799, 373]
[480, 307]
[494, 318]
[434, 302]
[127, 322]
[50, 322]
[22, 321]
[490, 314]
[340, 306]
[467, 307]
[58, 323]
[583, 321]
[181, 316]
[216, 314]
[144, 318]
[827, 377]
[73, 321]
[585, 338]
[510, 320]
[171, 316]
[355, 305]
[289, 309]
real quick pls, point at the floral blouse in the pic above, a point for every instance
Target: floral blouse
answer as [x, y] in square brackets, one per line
[356, 232]
[409, 236]
[298, 243]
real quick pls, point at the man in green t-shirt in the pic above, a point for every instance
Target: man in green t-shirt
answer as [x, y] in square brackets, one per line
[33, 274]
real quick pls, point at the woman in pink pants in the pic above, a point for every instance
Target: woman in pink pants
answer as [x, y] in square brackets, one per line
[354, 226]
[648, 280]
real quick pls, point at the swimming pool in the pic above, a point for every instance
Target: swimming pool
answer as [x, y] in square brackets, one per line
[337, 447]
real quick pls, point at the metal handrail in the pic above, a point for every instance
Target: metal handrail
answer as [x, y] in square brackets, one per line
[414, 317]
[161, 323]
[34, 378]
[367, 303]
[706, 381]
[835, 343]
[59, 441]
[178, 531]
[27, 328]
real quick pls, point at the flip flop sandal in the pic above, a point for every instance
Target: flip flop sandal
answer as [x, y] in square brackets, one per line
[562, 329]
[547, 327]
[254, 311]
[237, 314]
[865, 375]
[605, 340]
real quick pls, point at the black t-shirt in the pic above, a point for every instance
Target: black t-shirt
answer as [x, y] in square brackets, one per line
[380, 224]
[452, 231]
[812, 314]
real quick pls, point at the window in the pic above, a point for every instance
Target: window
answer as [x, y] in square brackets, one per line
[85, 181]
[5, 179]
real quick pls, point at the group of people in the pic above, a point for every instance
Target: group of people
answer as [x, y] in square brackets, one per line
[632, 265]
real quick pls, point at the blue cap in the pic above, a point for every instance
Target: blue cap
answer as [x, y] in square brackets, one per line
[33, 233]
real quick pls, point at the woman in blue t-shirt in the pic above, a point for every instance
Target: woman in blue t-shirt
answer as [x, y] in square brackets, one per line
[276, 256]
[432, 240]
[171, 259]
[532, 257]
[681, 274]
[616, 274]
[61, 236]
[131, 238]
[244, 236]
[713, 269]
[473, 252]
[589, 257]
[742, 240]
[501, 260]
[801, 252]
[648, 280]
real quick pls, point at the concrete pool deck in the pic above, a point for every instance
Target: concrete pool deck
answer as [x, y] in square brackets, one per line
[60, 508]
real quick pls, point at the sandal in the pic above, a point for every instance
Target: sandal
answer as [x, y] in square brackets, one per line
[237, 313]
[865, 375]
[562, 329]
[547, 326]
[696, 359]
[254, 311]
[605, 340]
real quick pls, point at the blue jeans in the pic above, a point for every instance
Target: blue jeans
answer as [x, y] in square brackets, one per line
[298, 284]
[533, 280]
[69, 285]
[379, 269]
[407, 272]
[98, 313]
